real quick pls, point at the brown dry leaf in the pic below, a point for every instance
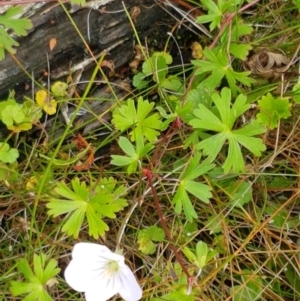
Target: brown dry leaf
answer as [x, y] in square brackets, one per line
[267, 64]
[134, 13]
[139, 56]
[51, 282]
[52, 43]
[110, 65]
[125, 86]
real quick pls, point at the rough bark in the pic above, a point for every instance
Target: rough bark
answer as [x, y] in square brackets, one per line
[107, 31]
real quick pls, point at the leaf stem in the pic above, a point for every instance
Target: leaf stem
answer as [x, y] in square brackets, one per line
[148, 175]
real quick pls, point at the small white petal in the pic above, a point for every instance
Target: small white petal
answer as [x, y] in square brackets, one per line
[81, 275]
[88, 251]
[97, 294]
[130, 289]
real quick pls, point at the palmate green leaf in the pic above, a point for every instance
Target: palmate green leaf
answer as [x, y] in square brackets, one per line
[235, 159]
[240, 51]
[74, 222]
[187, 185]
[219, 66]
[223, 124]
[10, 21]
[199, 190]
[207, 120]
[24, 268]
[236, 48]
[87, 202]
[97, 226]
[182, 201]
[146, 238]
[212, 146]
[36, 279]
[254, 145]
[214, 14]
[272, 110]
[194, 169]
[127, 116]
[6, 43]
[134, 154]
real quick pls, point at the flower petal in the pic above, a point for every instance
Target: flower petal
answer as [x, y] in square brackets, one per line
[79, 274]
[130, 290]
[96, 294]
[88, 251]
[87, 271]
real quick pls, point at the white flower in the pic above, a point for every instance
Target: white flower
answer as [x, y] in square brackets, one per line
[101, 274]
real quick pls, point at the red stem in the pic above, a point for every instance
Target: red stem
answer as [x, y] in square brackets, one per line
[163, 223]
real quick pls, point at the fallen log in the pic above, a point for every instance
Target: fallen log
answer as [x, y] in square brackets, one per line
[107, 28]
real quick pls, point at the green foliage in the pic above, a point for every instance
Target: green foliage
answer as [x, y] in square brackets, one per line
[156, 67]
[189, 183]
[59, 89]
[7, 154]
[36, 279]
[271, 110]
[214, 224]
[19, 117]
[250, 289]
[147, 237]
[296, 91]
[215, 12]
[218, 65]
[92, 203]
[240, 192]
[202, 255]
[128, 116]
[222, 121]
[236, 48]
[134, 155]
[175, 295]
[179, 285]
[9, 21]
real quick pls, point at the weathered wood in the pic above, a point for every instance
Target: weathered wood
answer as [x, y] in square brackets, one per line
[106, 30]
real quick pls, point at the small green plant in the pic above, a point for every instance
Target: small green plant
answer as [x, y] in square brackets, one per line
[127, 116]
[272, 110]
[189, 183]
[19, 117]
[218, 66]
[201, 256]
[9, 21]
[134, 156]
[90, 202]
[215, 13]
[222, 120]
[49, 102]
[37, 280]
[8, 154]
[147, 237]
